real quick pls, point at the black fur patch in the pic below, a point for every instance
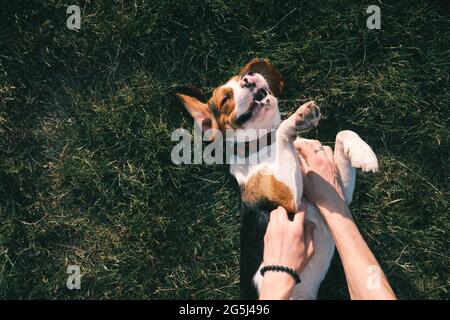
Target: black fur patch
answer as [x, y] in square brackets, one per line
[254, 220]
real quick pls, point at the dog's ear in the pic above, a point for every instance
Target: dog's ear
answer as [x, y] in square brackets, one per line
[195, 103]
[268, 71]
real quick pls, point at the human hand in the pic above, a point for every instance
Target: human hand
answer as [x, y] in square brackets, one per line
[323, 188]
[321, 182]
[286, 243]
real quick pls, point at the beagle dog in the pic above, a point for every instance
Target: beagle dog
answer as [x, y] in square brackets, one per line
[248, 102]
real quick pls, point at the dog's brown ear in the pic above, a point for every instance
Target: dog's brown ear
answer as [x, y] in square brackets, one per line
[268, 71]
[195, 103]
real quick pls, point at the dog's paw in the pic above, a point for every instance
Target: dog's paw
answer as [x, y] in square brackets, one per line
[358, 151]
[365, 160]
[307, 116]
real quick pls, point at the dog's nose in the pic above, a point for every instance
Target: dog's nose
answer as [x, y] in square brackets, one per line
[248, 80]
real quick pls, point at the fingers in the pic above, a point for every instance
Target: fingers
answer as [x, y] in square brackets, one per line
[309, 229]
[273, 222]
[299, 217]
[308, 150]
[272, 217]
[330, 156]
[282, 216]
[320, 152]
[303, 165]
[329, 153]
[277, 217]
[298, 144]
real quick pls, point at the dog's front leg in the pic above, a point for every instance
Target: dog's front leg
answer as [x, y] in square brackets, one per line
[287, 164]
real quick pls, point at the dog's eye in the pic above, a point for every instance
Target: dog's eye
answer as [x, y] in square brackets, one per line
[225, 99]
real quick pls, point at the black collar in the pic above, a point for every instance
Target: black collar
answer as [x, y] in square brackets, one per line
[245, 149]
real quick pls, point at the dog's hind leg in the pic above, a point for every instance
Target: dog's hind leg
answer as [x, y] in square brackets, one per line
[352, 152]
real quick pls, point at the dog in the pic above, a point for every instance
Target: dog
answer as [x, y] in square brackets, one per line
[248, 101]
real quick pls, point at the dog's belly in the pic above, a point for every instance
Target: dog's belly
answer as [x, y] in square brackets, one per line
[267, 182]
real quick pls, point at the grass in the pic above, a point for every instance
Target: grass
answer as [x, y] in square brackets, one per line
[85, 121]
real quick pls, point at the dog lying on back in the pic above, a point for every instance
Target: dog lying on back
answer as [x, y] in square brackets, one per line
[248, 102]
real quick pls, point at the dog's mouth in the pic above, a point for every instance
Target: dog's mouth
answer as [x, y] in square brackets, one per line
[257, 104]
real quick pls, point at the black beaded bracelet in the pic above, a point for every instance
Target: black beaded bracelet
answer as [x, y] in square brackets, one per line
[282, 269]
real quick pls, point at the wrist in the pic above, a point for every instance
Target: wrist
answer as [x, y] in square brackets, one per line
[277, 286]
[334, 204]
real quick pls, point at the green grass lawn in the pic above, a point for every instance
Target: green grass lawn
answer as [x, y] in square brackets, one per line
[86, 176]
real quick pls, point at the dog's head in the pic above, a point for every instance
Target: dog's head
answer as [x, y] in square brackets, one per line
[246, 101]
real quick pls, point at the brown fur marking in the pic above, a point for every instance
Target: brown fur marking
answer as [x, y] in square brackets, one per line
[267, 187]
[226, 117]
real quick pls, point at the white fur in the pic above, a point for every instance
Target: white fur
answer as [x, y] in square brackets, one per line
[352, 152]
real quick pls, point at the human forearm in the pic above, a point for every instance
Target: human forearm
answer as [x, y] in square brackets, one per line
[365, 277]
[322, 187]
